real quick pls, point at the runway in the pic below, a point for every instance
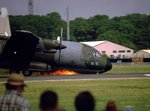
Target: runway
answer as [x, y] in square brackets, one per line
[83, 77]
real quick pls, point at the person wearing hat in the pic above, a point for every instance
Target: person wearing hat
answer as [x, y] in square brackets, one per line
[12, 100]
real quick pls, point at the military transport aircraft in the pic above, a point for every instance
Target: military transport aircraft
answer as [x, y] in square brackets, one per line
[23, 48]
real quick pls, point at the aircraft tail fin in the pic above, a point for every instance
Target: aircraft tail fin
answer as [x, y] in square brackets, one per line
[5, 31]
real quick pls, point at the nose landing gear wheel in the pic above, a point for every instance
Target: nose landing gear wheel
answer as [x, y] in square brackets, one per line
[27, 73]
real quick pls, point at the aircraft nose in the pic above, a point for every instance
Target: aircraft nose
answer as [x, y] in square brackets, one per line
[108, 65]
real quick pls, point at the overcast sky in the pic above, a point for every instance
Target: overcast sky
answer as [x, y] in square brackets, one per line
[78, 8]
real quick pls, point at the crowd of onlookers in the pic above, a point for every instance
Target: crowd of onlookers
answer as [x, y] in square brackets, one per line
[12, 100]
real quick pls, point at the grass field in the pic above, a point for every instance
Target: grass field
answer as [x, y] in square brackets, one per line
[130, 68]
[133, 93]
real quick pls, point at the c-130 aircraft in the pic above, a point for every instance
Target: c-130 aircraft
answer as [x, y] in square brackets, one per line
[22, 48]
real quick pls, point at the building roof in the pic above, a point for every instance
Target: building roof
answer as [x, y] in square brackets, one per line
[93, 43]
[147, 51]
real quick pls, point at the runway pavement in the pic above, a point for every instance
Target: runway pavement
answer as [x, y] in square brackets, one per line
[83, 77]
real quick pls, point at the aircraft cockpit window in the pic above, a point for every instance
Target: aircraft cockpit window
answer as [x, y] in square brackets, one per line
[92, 63]
[96, 63]
[94, 53]
[98, 54]
[91, 57]
[89, 54]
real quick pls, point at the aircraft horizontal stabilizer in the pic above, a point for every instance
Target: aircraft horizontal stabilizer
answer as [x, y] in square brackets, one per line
[5, 31]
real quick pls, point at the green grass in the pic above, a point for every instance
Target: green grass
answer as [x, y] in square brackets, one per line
[132, 92]
[130, 68]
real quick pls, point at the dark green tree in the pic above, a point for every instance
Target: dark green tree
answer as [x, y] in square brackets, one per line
[80, 29]
[99, 24]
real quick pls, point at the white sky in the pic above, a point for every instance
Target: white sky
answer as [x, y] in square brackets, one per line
[79, 8]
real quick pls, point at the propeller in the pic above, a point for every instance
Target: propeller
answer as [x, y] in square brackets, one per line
[59, 39]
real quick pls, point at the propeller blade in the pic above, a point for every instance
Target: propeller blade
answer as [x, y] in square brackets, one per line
[60, 40]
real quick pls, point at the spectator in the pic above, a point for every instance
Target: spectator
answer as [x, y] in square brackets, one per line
[49, 101]
[85, 101]
[111, 106]
[12, 100]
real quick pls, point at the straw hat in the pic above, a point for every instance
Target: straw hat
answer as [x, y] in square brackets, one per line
[16, 80]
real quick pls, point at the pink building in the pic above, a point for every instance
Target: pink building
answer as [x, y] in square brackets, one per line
[111, 49]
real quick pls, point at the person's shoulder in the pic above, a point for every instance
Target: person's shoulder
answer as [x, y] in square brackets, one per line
[1, 97]
[22, 101]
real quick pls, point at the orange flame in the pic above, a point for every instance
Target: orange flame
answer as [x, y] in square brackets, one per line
[64, 72]
[60, 72]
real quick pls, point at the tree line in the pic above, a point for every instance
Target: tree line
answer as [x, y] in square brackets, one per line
[132, 30]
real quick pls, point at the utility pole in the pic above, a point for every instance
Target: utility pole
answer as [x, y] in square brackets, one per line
[30, 7]
[68, 25]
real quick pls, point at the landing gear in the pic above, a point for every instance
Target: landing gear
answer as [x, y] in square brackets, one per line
[99, 73]
[27, 73]
[24, 72]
